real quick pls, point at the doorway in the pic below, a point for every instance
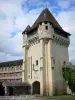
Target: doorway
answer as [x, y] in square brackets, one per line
[2, 90]
[36, 87]
[11, 91]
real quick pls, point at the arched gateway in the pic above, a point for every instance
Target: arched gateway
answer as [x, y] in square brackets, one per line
[36, 87]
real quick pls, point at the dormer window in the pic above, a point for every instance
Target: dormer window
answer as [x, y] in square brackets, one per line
[46, 27]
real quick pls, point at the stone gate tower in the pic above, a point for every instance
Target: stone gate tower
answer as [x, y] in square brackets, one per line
[45, 46]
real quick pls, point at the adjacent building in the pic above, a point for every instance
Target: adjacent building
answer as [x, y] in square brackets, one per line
[45, 47]
[11, 71]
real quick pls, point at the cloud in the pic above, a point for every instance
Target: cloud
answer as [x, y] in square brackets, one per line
[38, 3]
[67, 21]
[15, 15]
[13, 20]
[8, 57]
[64, 3]
[10, 46]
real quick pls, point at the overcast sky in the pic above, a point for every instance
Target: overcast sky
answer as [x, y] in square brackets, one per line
[15, 15]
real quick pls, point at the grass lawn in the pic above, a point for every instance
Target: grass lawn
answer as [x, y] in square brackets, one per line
[65, 97]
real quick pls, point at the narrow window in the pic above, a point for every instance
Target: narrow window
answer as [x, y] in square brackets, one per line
[36, 62]
[53, 61]
[46, 27]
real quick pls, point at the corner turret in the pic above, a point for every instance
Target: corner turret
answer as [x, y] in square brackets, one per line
[25, 40]
[45, 30]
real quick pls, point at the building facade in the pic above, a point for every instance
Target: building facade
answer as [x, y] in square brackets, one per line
[11, 78]
[11, 71]
[45, 47]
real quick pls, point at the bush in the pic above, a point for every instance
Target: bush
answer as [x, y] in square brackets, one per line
[69, 75]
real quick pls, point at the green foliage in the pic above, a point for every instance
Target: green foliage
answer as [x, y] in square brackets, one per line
[69, 75]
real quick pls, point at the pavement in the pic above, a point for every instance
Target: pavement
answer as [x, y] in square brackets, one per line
[25, 97]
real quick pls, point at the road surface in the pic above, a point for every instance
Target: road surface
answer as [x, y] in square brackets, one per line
[26, 97]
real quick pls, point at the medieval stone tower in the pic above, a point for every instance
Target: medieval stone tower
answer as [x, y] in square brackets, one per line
[45, 46]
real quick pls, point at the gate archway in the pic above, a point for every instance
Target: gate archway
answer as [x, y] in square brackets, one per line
[36, 87]
[2, 90]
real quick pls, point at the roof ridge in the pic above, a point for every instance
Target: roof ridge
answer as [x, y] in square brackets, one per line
[46, 15]
[11, 61]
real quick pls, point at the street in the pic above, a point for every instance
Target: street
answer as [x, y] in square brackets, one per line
[26, 97]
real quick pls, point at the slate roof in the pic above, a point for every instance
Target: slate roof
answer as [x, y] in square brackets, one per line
[11, 63]
[18, 84]
[28, 28]
[45, 16]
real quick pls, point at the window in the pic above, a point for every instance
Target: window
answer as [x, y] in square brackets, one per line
[17, 68]
[2, 69]
[12, 68]
[11, 74]
[5, 75]
[5, 69]
[18, 80]
[45, 22]
[52, 68]
[40, 23]
[53, 61]
[9, 69]
[8, 80]
[64, 63]
[36, 62]
[46, 27]
[12, 81]
[18, 74]
[20, 67]
[53, 36]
